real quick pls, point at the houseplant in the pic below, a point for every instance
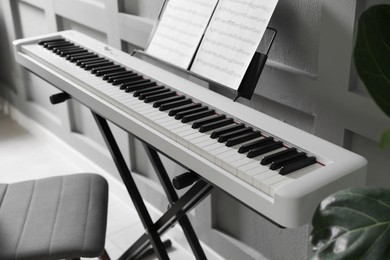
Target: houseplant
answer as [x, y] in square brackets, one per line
[355, 223]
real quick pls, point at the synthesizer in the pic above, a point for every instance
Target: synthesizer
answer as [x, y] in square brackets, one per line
[275, 169]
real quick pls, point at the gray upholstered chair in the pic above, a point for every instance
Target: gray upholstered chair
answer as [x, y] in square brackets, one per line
[53, 218]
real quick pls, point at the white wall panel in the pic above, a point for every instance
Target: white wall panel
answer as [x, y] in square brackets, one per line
[33, 20]
[88, 13]
[378, 159]
[143, 8]
[38, 91]
[297, 42]
[37, 3]
[67, 24]
[135, 30]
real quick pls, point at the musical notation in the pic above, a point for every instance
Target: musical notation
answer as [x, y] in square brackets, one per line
[231, 39]
[180, 30]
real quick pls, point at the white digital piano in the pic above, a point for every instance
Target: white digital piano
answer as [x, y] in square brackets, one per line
[275, 169]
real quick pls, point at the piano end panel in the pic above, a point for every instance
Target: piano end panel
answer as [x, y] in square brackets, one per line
[302, 197]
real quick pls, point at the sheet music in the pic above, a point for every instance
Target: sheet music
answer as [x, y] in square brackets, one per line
[231, 40]
[180, 30]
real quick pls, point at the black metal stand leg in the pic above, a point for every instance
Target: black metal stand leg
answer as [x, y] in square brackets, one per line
[173, 197]
[183, 205]
[132, 189]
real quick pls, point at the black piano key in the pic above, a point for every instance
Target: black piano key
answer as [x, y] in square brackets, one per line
[140, 84]
[175, 104]
[99, 64]
[64, 53]
[215, 125]
[54, 41]
[161, 96]
[50, 46]
[153, 92]
[242, 138]
[122, 76]
[167, 100]
[91, 61]
[147, 90]
[292, 167]
[179, 109]
[255, 144]
[83, 57]
[264, 149]
[87, 61]
[95, 70]
[126, 80]
[195, 116]
[42, 42]
[287, 160]
[75, 57]
[85, 64]
[109, 75]
[72, 46]
[277, 156]
[101, 72]
[230, 128]
[224, 137]
[133, 83]
[208, 120]
[59, 49]
[188, 111]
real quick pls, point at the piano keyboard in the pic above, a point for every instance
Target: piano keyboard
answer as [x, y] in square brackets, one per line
[254, 158]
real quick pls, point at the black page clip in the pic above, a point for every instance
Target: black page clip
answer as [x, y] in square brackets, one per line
[252, 75]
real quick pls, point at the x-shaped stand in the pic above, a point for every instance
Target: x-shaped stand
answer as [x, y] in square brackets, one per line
[178, 206]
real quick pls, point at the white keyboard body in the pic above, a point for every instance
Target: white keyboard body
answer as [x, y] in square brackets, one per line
[287, 200]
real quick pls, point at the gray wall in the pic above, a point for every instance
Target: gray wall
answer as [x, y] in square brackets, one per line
[309, 82]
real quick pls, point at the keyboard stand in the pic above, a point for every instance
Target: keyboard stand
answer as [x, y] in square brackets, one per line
[178, 206]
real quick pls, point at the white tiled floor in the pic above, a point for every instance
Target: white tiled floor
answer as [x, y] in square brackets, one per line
[25, 156]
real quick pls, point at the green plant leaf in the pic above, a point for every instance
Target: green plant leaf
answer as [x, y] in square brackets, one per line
[385, 139]
[372, 54]
[353, 224]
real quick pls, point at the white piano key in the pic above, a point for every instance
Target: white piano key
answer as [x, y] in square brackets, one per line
[241, 170]
[247, 176]
[193, 136]
[158, 116]
[185, 131]
[179, 127]
[266, 183]
[150, 114]
[146, 110]
[185, 136]
[164, 121]
[206, 142]
[165, 124]
[213, 146]
[177, 131]
[232, 163]
[220, 158]
[289, 178]
[259, 178]
[200, 139]
[211, 154]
